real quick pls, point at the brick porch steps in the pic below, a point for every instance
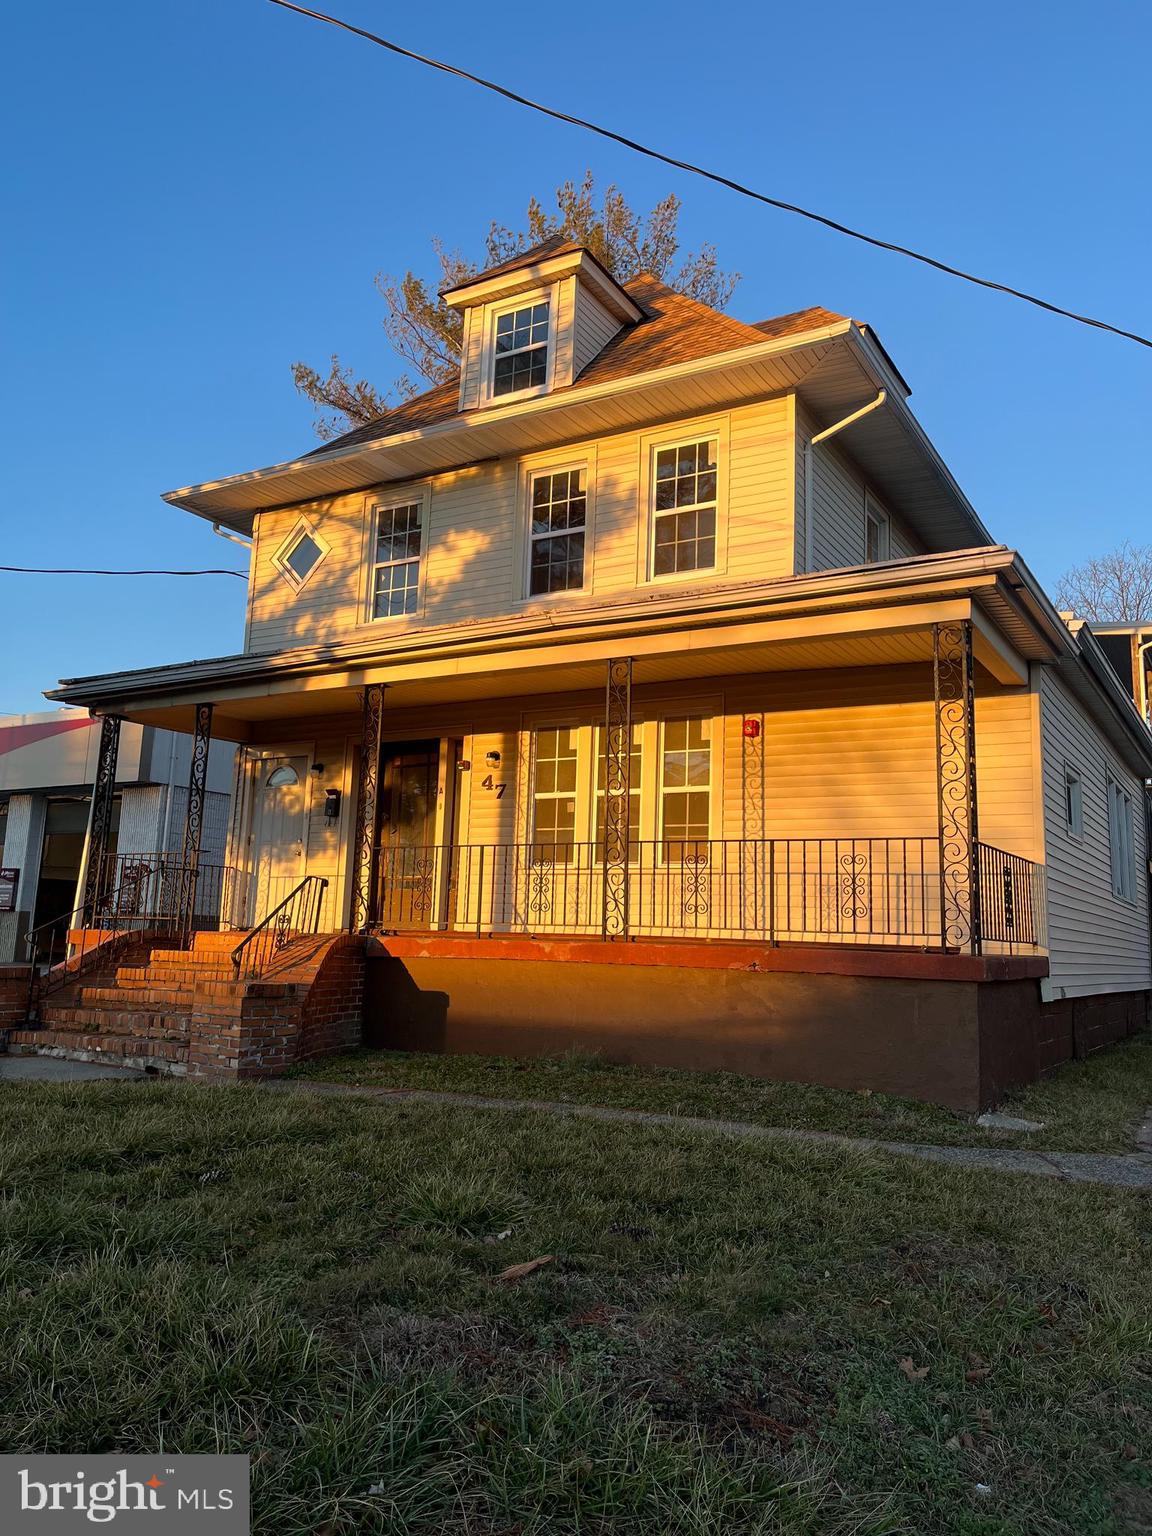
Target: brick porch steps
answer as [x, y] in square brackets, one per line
[180, 1011]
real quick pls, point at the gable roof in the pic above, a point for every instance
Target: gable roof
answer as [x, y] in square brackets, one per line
[675, 329]
[555, 245]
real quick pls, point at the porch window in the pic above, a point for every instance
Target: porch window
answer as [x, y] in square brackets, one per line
[520, 349]
[1122, 842]
[396, 567]
[684, 507]
[685, 786]
[559, 525]
[635, 765]
[554, 789]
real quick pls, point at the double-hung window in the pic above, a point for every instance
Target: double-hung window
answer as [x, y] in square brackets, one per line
[398, 543]
[559, 525]
[1073, 801]
[520, 339]
[685, 787]
[1122, 841]
[877, 533]
[684, 480]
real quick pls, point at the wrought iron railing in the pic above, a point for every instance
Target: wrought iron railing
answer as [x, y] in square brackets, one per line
[166, 893]
[296, 917]
[135, 896]
[870, 891]
[1011, 898]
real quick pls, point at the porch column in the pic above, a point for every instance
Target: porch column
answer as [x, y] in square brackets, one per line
[367, 812]
[94, 878]
[956, 785]
[194, 814]
[617, 768]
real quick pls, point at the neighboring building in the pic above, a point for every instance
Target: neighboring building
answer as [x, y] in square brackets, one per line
[1129, 648]
[47, 765]
[654, 688]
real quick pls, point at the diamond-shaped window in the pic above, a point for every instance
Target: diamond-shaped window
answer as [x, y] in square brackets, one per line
[299, 556]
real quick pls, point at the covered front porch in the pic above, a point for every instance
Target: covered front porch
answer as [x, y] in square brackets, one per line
[861, 776]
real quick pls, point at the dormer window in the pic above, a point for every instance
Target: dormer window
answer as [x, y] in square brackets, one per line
[520, 342]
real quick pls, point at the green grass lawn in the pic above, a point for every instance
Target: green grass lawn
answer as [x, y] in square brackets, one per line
[1087, 1106]
[730, 1338]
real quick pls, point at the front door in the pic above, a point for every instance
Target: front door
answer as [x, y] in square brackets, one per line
[409, 865]
[279, 829]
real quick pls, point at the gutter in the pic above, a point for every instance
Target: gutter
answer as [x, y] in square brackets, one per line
[809, 444]
[795, 597]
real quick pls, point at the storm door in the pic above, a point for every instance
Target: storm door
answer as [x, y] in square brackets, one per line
[409, 863]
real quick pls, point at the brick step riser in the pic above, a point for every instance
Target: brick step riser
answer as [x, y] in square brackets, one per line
[126, 998]
[110, 1027]
[80, 1047]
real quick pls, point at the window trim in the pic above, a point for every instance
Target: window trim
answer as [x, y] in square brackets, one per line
[553, 462]
[492, 313]
[1122, 840]
[874, 513]
[692, 430]
[1073, 825]
[715, 780]
[374, 506]
[303, 528]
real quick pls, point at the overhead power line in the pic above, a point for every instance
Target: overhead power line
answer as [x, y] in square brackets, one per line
[43, 570]
[724, 181]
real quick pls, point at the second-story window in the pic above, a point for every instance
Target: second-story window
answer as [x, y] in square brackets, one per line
[559, 526]
[396, 560]
[684, 507]
[877, 533]
[520, 349]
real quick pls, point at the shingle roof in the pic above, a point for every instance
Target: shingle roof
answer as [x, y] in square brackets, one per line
[675, 329]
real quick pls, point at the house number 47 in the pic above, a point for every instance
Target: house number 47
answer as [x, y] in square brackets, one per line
[490, 783]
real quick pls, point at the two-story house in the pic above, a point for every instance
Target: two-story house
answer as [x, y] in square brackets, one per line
[653, 687]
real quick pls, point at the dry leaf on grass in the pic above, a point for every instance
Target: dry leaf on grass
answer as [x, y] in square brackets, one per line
[518, 1271]
[913, 1372]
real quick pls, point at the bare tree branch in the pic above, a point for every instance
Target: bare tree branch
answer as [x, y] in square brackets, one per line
[426, 334]
[1112, 589]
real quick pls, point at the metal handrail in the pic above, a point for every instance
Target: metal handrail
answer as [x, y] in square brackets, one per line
[297, 916]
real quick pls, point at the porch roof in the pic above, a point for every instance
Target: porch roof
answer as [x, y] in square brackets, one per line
[872, 615]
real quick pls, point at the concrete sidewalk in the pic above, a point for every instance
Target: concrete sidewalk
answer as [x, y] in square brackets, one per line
[1127, 1171]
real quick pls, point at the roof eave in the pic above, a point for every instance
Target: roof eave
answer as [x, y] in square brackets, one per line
[209, 498]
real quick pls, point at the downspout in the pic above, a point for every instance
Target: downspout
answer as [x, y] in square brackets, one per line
[233, 538]
[809, 444]
[1142, 675]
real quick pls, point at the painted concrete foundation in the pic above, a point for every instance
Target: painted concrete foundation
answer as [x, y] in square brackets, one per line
[961, 1033]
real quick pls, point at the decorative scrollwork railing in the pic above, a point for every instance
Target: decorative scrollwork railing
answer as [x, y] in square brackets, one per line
[296, 917]
[884, 891]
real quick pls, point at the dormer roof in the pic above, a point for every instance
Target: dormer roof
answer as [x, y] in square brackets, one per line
[540, 266]
[672, 329]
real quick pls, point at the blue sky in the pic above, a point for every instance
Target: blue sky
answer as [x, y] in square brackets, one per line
[197, 194]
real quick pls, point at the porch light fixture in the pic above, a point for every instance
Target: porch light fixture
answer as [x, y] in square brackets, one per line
[317, 769]
[492, 759]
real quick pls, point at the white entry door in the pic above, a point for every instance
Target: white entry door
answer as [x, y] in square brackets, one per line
[278, 861]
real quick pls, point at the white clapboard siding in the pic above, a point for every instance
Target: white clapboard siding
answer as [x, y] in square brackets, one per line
[1098, 942]
[473, 557]
[594, 328]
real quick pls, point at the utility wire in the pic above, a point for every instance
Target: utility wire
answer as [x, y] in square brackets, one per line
[724, 181]
[41, 570]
